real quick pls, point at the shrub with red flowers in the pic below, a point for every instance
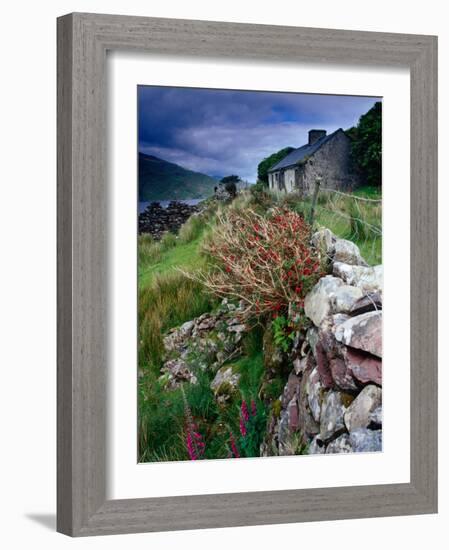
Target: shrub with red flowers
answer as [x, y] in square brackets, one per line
[265, 261]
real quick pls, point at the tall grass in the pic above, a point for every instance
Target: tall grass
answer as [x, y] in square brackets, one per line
[166, 297]
[149, 250]
[168, 301]
[192, 229]
[347, 217]
[162, 420]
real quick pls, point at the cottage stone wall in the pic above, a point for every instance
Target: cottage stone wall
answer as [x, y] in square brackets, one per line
[274, 181]
[290, 179]
[332, 163]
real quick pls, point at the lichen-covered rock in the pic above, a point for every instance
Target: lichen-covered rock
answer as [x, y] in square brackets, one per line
[291, 389]
[363, 366]
[341, 375]
[312, 338]
[299, 365]
[238, 328]
[324, 241]
[362, 332]
[308, 426]
[317, 304]
[369, 302]
[332, 415]
[205, 322]
[358, 414]
[175, 372]
[316, 447]
[225, 383]
[207, 341]
[288, 425]
[375, 418]
[368, 279]
[338, 319]
[347, 252]
[366, 441]
[273, 356]
[315, 392]
[176, 339]
[340, 445]
[344, 298]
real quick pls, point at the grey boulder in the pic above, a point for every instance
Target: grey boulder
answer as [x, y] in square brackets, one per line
[362, 332]
[366, 441]
[347, 252]
[358, 414]
[340, 445]
[368, 279]
[317, 304]
[332, 415]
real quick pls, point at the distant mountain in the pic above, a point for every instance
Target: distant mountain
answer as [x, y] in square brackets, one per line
[162, 180]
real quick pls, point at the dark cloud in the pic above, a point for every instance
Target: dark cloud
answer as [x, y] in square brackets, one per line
[223, 131]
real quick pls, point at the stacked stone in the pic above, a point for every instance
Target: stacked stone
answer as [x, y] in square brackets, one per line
[206, 343]
[157, 220]
[333, 397]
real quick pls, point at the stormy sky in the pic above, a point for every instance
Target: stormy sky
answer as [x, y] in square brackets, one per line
[222, 132]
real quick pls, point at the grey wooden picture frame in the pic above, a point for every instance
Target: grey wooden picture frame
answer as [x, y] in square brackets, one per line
[83, 41]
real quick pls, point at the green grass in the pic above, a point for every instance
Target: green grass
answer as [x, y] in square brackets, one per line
[346, 217]
[251, 371]
[369, 192]
[162, 420]
[186, 256]
[167, 301]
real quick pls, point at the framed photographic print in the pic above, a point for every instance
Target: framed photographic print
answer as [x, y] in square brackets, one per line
[235, 205]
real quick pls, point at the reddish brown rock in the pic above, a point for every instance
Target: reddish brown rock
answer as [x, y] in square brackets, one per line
[327, 339]
[291, 389]
[323, 366]
[363, 366]
[341, 374]
[293, 415]
[307, 424]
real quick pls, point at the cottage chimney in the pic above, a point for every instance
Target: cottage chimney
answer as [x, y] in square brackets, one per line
[315, 135]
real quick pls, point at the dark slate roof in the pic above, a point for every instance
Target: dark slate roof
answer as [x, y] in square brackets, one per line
[302, 152]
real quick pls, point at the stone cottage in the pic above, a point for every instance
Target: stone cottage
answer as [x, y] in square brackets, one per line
[326, 157]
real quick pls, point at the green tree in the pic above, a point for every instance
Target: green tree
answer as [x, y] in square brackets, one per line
[230, 184]
[267, 163]
[367, 145]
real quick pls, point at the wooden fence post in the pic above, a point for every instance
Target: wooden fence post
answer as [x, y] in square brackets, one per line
[314, 199]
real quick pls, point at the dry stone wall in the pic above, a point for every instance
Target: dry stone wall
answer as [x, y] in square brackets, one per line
[157, 220]
[332, 401]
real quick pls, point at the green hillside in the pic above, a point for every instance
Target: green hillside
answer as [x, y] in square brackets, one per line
[162, 180]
